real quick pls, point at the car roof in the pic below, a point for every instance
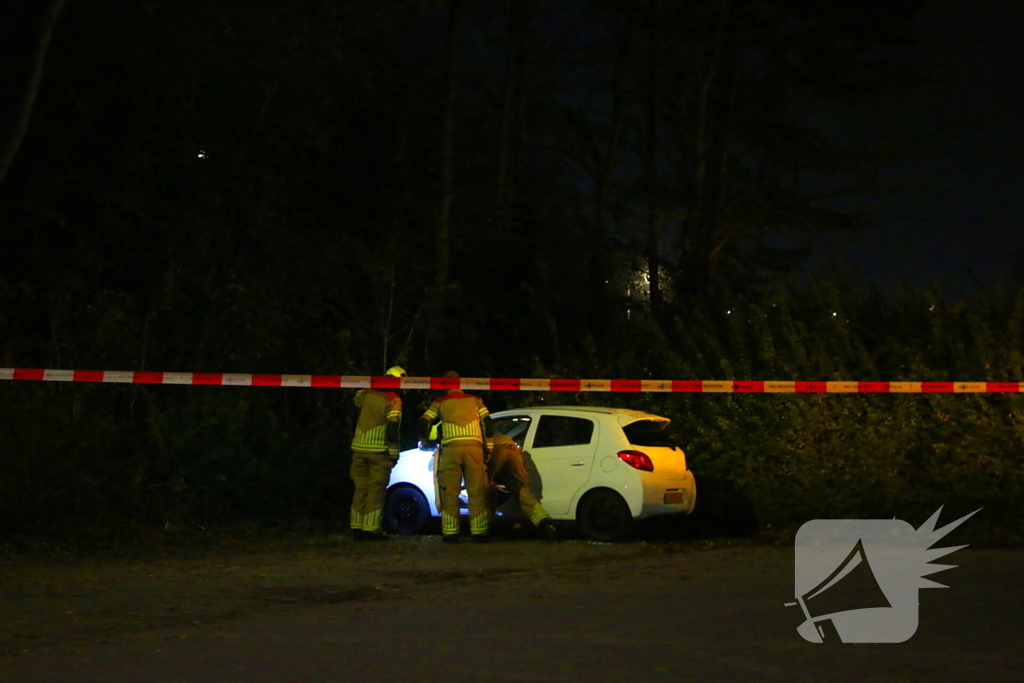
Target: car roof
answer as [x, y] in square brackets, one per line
[624, 416]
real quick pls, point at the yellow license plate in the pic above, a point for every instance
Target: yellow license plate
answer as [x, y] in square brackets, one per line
[674, 498]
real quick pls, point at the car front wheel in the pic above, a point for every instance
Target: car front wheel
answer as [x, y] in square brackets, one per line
[406, 510]
[604, 516]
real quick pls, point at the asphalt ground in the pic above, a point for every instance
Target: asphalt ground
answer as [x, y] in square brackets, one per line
[518, 609]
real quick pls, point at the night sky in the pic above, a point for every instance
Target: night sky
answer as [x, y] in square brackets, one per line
[956, 214]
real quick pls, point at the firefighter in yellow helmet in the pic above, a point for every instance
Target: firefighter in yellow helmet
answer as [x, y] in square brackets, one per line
[374, 454]
[506, 469]
[467, 439]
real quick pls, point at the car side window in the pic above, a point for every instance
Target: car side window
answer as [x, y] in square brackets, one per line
[514, 428]
[559, 430]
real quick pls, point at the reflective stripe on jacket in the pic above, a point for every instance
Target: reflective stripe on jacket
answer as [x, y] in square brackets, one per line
[377, 409]
[460, 417]
[502, 440]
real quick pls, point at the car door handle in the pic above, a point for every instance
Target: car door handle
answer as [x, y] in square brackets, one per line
[577, 464]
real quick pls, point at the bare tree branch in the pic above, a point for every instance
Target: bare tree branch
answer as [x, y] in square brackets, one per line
[28, 101]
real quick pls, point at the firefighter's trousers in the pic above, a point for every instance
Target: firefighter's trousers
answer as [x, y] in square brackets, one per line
[506, 468]
[463, 459]
[370, 473]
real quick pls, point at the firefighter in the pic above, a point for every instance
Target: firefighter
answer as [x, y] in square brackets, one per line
[374, 454]
[506, 469]
[467, 439]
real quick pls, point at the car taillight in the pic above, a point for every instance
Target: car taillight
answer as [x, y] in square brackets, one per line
[637, 460]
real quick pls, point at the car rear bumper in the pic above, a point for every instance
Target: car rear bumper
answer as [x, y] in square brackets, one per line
[669, 496]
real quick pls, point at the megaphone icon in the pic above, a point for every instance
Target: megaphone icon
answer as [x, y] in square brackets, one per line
[861, 601]
[851, 586]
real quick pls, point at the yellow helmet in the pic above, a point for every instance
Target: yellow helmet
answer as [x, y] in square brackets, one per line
[395, 371]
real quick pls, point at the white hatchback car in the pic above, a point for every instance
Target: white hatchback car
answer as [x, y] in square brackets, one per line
[602, 467]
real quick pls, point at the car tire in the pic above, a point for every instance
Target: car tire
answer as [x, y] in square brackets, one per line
[604, 516]
[406, 510]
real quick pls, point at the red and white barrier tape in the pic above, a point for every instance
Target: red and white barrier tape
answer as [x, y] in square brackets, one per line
[521, 384]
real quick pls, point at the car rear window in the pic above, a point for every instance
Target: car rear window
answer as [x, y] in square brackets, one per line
[648, 433]
[559, 430]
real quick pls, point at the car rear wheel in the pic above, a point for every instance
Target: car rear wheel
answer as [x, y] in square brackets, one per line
[406, 510]
[604, 516]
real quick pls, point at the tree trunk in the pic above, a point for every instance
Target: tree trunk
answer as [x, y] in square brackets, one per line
[511, 101]
[602, 268]
[24, 111]
[722, 181]
[653, 213]
[700, 220]
[451, 92]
